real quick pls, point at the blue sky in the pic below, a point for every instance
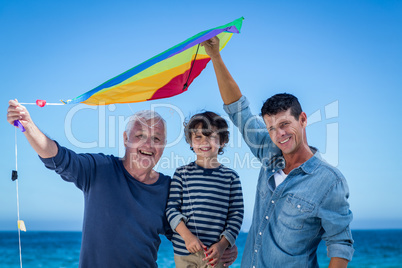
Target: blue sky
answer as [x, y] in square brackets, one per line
[342, 59]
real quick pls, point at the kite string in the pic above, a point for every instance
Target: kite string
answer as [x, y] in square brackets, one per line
[18, 202]
[191, 203]
[32, 103]
[141, 120]
[130, 108]
[192, 65]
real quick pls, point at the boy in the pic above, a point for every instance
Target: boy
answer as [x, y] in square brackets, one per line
[205, 205]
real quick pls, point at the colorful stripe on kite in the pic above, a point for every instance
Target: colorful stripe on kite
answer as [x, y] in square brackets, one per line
[165, 75]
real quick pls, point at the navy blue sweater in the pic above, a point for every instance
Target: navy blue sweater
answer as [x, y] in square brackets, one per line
[122, 217]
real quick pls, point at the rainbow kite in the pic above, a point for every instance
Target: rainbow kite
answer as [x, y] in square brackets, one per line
[165, 75]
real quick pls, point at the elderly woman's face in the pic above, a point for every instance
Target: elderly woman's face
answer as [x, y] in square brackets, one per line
[145, 143]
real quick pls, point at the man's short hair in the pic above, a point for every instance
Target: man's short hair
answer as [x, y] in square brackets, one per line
[208, 120]
[281, 103]
[144, 116]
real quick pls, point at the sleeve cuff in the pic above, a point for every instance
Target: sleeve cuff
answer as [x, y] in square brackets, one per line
[229, 238]
[52, 162]
[236, 106]
[340, 251]
[176, 220]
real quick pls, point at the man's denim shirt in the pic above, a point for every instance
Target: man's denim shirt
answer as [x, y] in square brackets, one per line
[290, 220]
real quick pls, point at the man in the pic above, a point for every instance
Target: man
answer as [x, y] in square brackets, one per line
[300, 198]
[125, 199]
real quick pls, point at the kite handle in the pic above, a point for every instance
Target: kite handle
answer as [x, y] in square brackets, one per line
[40, 103]
[18, 124]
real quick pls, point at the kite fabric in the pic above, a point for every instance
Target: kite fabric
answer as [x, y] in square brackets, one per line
[21, 225]
[165, 75]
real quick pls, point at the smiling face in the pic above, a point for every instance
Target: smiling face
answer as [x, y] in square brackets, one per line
[205, 147]
[144, 144]
[286, 131]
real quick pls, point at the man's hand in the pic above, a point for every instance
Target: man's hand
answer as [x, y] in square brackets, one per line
[43, 146]
[16, 111]
[229, 256]
[228, 88]
[212, 47]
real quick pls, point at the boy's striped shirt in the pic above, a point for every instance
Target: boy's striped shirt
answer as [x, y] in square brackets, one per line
[209, 201]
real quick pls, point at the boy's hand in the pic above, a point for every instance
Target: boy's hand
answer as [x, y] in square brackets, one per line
[193, 244]
[212, 47]
[215, 252]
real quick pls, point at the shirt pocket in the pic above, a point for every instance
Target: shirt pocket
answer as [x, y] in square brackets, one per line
[295, 211]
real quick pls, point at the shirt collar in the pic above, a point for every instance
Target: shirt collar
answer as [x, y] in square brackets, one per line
[310, 165]
[307, 167]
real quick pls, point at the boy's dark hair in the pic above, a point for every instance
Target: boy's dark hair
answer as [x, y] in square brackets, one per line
[208, 120]
[280, 103]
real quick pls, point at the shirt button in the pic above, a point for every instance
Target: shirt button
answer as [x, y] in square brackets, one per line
[260, 233]
[298, 206]
[266, 217]
[273, 170]
[253, 266]
[272, 201]
[256, 251]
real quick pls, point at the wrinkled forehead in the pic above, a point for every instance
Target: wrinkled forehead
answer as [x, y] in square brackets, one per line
[153, 125]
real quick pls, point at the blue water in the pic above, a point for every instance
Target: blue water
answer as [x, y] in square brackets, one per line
[374, 248]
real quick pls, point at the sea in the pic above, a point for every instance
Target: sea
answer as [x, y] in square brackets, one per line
[373, 248]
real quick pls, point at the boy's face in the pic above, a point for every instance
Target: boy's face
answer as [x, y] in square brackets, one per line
[205, 146]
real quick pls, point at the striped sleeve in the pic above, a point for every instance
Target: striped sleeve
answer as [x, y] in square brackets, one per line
[235, 212]
[175, 202]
